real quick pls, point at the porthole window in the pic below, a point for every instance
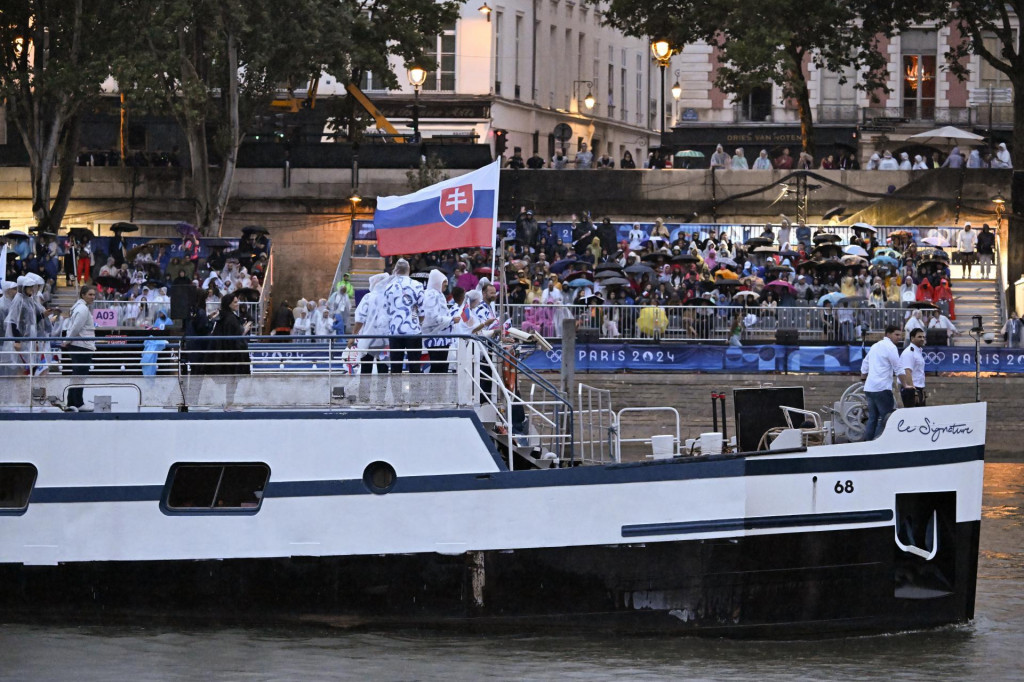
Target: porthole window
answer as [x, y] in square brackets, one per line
[379, 477]
[234, 487]
[16, 483]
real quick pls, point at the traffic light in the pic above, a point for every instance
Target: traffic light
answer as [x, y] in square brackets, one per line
[500, 141]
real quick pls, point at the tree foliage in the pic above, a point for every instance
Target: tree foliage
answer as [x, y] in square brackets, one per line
[775, 40]
[55, 54]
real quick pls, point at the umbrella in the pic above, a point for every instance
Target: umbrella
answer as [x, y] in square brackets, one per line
[184, 229]
[936, 241]
[686, 258]
[615, 282]
[827, 250]
[932, 253]
[782, 284]
[108, 281]
[216, 243]
[758, 241]
[162, 241]
[483, 271]
[854, 250]
[652, 257]
[826, 237]
[154, 283]
[834, 212]
[781, 268]
[900, 234]
[726, 274]
[608, 266]
[81, 232]
[607, 274]
[832, 298]
[729, 261]
[724, 283]
[255, 229]
[689, 154]
[640, 269]
[885, 260]
[700, 301]
[17, 234]
[853, 260]
[560, 265]
[576, 274]
[250, 294]
[889, 252]
[946, 136]
[832, 263]
[922, 305]
[789, 254]
[740, 295]
[124, 227]
[581, 283]
[864, 227]
[766, 249]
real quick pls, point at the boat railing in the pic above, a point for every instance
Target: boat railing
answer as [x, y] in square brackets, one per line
[283, 372]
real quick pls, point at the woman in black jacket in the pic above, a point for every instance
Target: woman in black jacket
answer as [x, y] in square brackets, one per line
[231, 350]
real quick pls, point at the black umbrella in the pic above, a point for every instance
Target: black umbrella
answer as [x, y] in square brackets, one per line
[255, 229]
[108, 281]
[124, 227]
[758, 241]
[922, 305]
[640, 269]
[834, 212]
[827, 250]
[577, 274]
[216, 243]
[685, 258]
[615, 282]
[248, 294]
[827, 237]
[153, 283]
[81, 232]
[700, 301]
[654, 257]
[607, 274]
[608, 266]
[831, 263]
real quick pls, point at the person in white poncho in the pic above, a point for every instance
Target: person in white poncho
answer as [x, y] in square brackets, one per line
[437, 322]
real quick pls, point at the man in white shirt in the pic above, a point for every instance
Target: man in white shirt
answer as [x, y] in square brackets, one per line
[82, 332]
[940, 321]
[881, 363]
[966, 243]
[912, 362]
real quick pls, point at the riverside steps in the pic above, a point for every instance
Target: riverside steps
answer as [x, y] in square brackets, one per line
[690, 394]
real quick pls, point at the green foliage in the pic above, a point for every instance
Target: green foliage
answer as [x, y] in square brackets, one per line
[430, 172]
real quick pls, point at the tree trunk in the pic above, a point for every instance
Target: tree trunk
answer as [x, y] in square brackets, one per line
[195, 134]
[1015, 217]
[67, 160]
[234, 127]
[798, 83]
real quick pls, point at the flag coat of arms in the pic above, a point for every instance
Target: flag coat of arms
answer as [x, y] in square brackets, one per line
[454, 214]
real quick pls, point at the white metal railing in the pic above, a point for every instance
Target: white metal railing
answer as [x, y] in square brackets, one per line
[705, 323]
[132, 314]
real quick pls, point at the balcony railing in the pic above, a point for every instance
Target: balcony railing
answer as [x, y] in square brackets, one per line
[893, 116]
[838, 113]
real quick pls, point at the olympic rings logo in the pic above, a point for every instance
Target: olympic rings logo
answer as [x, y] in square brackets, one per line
[934, 357]
[554, 355]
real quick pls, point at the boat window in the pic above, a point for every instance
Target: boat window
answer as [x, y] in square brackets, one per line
[217, 487]
[16, 483]
[379, 477]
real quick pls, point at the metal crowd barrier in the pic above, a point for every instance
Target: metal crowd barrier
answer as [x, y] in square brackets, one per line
[704, 323]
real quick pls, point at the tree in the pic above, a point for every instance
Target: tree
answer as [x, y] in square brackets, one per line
[775, 40]
[215, 66]
[55, 57]
[977, 21]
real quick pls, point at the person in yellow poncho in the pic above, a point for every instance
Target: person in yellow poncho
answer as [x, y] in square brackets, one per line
[653, 320]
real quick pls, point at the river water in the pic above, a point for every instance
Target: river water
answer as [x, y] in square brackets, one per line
[991, 648]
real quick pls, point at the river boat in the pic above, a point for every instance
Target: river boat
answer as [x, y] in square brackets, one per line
[472, 499]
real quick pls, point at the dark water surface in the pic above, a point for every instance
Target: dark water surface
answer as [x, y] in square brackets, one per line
[992, 648]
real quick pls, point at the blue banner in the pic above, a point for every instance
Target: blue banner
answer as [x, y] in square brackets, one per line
[769, 358]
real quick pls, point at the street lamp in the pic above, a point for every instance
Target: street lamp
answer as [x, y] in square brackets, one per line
[662, 53]
[979, 334]
[589, 100]
[677, 92]
[485, 10]
[417, 77]
[1000, 203]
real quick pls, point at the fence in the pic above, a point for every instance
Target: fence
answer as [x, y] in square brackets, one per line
[130, 314]
[706, 322]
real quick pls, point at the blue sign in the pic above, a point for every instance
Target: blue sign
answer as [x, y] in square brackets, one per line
[614, 357]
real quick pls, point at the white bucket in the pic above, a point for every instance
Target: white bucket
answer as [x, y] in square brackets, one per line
[710, 443]
[662, 447]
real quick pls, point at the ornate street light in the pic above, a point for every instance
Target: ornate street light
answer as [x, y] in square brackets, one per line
[485, 10]
[662, 50]
[417, 77]
[589, 100]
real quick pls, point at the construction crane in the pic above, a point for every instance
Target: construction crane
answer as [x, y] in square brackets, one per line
[382, 123]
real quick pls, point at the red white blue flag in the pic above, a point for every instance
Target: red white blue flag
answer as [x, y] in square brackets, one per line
[454, 214]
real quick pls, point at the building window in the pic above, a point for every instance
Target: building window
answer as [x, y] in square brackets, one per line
[918, 74]
[369, 84]
[443, 80]
[991, 77]
[16, 483]
[756, 104]
[236, 487]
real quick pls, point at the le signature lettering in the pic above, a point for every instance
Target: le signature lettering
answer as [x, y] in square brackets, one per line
[934, 431]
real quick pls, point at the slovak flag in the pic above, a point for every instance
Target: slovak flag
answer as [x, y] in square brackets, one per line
[465, 312]
[454, 214]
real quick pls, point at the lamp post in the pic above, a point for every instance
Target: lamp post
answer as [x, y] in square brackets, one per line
[1000, 203]
[589, 100]
[677, 92]
[662, 53]
[417, 77]
[485, 10]
[977, 332]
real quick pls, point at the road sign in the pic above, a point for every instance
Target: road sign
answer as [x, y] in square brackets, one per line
[563, 132]
[991, 96]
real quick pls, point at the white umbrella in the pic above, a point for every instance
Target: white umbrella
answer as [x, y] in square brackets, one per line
[854, 250]
[864, 227]
[936, 241]
[946, 136]
[745, 294]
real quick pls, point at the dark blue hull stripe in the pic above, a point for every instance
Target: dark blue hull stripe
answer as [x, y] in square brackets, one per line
[757, 523]
[724, 466]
